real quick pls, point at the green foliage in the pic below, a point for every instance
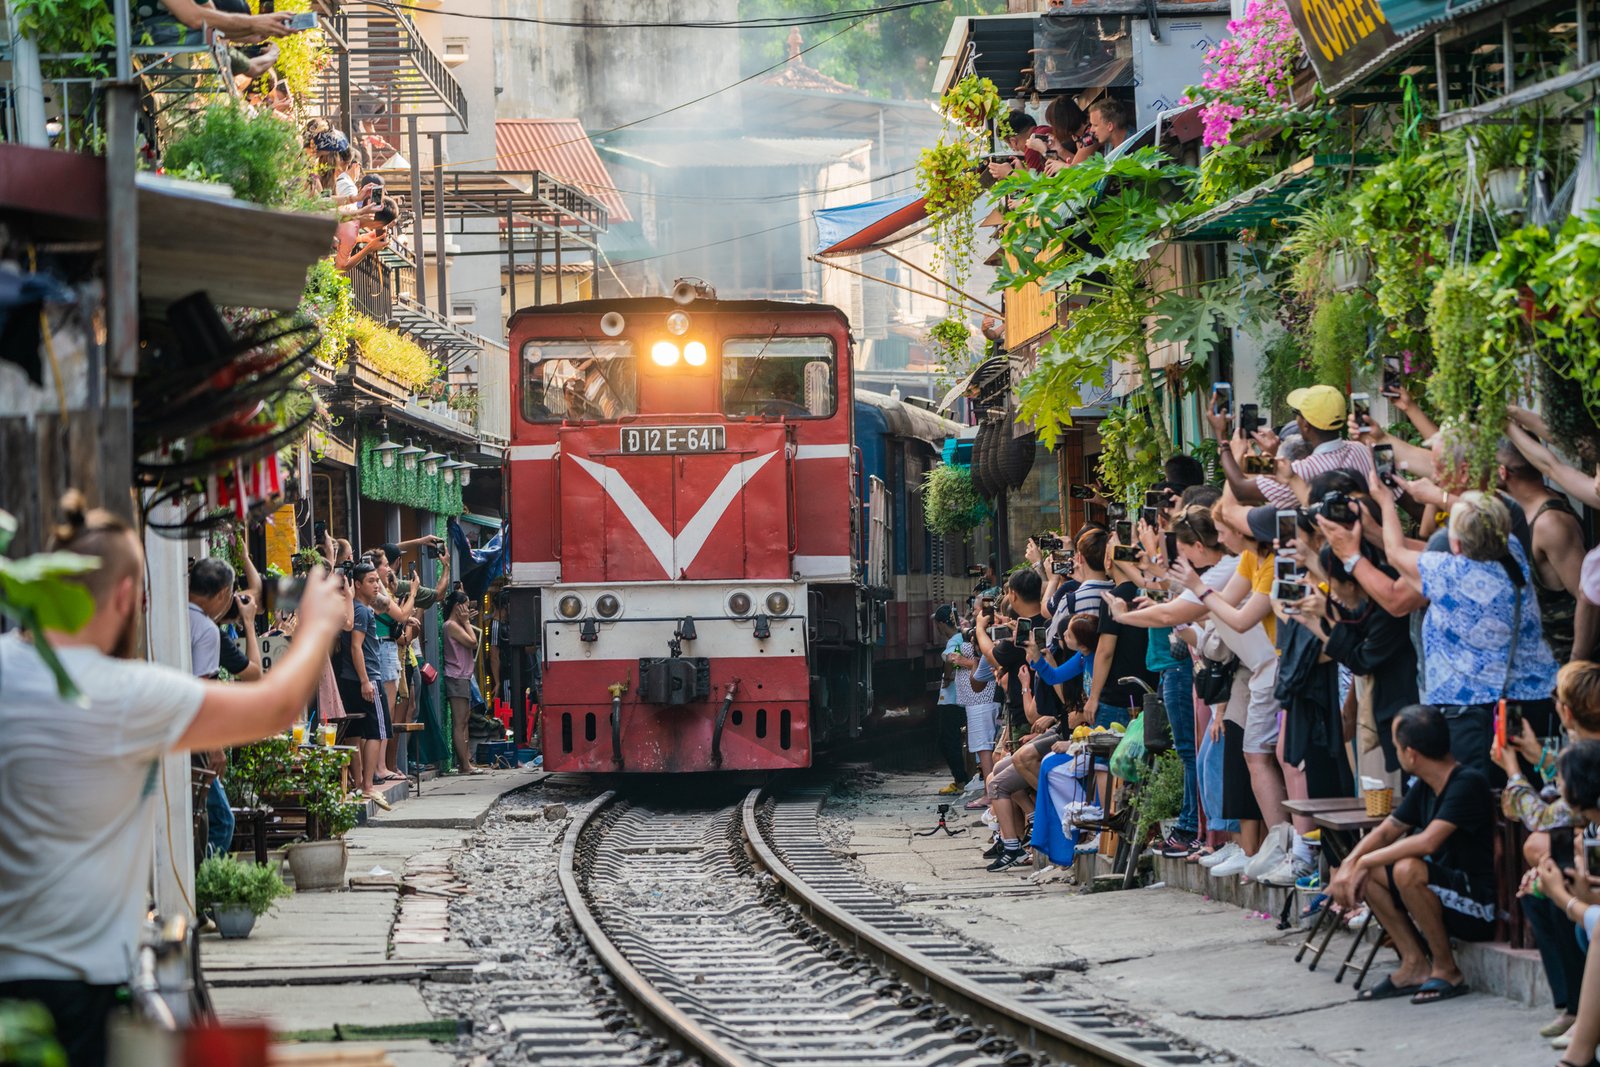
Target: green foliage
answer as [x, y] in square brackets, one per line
[1317, 234]
[37, 593]
[1132, 451]
[262, 771]
[1285, 367]
[1338, 339]
[258, 154]
[950, 503]
[330, 302]
[67, 26]
[950, 338]
[318, 778]
[1473, 379]
[222, 880]
[1158, 796]
[949, 174]
[27, 1036]
[397, 485]
[886, 56]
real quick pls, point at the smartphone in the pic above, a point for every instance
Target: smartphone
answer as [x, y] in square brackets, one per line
[304, 20]
[287, 596]
[1172, 546]
[1116, 511]
[1081, 492]
[1286, 569]
[1288, 592]
[1062, 567]
[1249, 418]
[1513, 719]
[1256, 463]
[1154, 499]
[1151, 517]
[986, 604]
[1361, 408]
[1391, 376]
[1222, 397]
[1000, 633]
[1125, 532]
[1156, 596]
[1288, 522]
[1383, 460]
[1099, 514]
[1591, 857]
[1022, 629]
[1125, 553]
[319, 530]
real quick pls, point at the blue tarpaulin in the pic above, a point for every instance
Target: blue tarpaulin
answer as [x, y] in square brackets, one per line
[861, 227]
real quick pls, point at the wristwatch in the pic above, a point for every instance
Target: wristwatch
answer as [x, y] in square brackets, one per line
[1350, 564]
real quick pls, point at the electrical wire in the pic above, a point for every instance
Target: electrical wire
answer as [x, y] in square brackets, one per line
[760, 23]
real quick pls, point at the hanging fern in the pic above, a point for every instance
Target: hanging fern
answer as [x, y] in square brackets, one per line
[950, 502]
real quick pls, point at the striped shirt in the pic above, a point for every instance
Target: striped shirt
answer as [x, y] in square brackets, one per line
[1328, 456]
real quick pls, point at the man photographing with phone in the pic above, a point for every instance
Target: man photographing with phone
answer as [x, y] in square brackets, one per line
[1320, 416]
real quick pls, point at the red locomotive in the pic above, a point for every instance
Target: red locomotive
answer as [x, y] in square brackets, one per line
[687, 536]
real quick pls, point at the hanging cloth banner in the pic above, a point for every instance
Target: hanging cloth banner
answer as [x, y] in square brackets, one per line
[1341, 37]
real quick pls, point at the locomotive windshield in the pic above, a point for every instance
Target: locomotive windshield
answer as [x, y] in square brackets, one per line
[792, 377]
[578, 380]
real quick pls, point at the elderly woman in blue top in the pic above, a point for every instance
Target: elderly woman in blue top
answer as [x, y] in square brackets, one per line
[1480, 635]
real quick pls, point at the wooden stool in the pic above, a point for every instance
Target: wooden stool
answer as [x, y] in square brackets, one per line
[405, 731]
[252, 821]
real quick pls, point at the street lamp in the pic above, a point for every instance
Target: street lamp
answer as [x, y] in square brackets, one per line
[409, 454]
[386, 451]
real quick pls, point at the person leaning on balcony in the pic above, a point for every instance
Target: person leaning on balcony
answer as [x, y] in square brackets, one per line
[79, 779]
[239, 27]
[1108, 123]
[1026, 141]
[353, 244]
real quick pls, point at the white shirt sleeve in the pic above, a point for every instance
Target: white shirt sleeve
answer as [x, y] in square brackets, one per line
[205, 647]
[154, 706]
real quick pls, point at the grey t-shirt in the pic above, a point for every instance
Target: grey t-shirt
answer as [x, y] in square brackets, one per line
[78, 786]
[205, 643]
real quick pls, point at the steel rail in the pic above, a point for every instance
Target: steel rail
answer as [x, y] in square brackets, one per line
[634, 985]
[1055, 1037]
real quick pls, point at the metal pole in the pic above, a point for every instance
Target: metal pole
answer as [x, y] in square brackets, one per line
[28, 91]
[558, 263]
[122, 218]
[941, 281]
[538, 269]
[419, 275]
[511, 262]
[438, 226]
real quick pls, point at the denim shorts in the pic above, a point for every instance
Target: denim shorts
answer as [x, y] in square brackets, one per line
[388, 661]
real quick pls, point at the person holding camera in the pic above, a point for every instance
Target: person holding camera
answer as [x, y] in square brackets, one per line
[1320, 417]
[211, 600]
[949, 716]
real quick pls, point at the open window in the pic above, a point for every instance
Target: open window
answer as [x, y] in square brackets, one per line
[578, 380]
[787, 377]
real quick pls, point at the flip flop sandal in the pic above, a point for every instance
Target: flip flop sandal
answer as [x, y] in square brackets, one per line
[1387, 990]
[1437, 989]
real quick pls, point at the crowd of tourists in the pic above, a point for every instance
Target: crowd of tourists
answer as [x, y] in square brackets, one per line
[1343, 606]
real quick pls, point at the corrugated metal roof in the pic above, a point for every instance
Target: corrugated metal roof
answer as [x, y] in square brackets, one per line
[561, 149]
[735, 151]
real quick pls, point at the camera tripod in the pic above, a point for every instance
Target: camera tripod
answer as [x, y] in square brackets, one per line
[944, 809]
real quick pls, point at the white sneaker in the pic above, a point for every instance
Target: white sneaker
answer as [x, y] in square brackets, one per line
[1231, 867]
[1271, 854]
[1285, 873]
[1221, 855]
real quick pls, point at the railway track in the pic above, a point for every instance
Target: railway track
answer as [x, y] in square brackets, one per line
[734, 929]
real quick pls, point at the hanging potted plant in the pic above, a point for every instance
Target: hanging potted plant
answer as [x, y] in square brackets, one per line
[237, 893]
[1322, 255]
[950, 502]
[972, 102]
[319, 863]
[1503, 154]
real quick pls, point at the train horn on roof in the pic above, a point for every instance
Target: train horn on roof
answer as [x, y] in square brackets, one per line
[688, 290]
[612, 323]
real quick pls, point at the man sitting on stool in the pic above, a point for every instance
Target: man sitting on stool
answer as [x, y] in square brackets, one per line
[1427, 872]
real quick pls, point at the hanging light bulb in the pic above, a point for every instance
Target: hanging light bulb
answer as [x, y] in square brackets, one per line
[409, 454]
[386, 451]
[430, 462]
[466, 475]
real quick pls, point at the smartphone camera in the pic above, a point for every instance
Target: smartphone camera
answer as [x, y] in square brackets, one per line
[1154, 499]
[1288, 592]
[1383, 461]
[1116, 511]
[1047, 542]
[1172, 547]
[1062, 567]
[1124, 531]
[1151, 517]
[1288, 523]
[287, 595]
[1222, 397]
[1249, 418]
[1361, 408]
[1125, 553]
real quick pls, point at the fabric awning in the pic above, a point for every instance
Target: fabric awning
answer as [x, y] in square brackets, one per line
[857, 228]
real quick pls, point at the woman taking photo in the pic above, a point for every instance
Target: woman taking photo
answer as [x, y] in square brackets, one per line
[460, 648]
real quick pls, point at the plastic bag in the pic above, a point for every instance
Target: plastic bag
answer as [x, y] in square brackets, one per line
[1127, 761]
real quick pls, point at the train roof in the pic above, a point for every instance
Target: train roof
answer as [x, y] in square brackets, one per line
[702, 305]
[908, 420]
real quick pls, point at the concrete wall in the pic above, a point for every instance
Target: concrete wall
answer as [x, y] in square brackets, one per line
[612, 76]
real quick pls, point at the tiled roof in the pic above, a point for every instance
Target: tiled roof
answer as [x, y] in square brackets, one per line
[561, 149]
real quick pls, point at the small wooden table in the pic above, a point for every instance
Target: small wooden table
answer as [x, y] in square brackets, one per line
[1321, 805]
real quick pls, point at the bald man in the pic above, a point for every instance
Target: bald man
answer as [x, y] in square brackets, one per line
[78, 780]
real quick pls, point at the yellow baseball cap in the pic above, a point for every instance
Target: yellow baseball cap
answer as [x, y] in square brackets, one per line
[1322, 406]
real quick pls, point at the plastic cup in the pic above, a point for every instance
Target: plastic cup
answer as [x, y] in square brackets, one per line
[330, 735]
[299, 733]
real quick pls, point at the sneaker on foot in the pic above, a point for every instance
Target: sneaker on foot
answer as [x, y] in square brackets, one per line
[1310, 882]
[1285, 874]
[995, 848]
[1176, 846]
[1232, 866]
[1268, 858]
[1007, 859]
[950, 790]
[1221, 855]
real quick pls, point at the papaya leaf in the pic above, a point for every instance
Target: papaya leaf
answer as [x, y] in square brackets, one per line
[37, 585]
[8, 530]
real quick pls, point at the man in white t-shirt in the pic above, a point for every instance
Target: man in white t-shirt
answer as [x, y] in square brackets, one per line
[79, 780]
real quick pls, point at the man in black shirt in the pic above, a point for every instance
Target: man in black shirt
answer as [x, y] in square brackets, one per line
[1428, 871]
[1025, 587]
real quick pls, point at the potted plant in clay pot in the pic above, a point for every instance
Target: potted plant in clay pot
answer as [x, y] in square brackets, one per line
[319, 863]
[237, 893]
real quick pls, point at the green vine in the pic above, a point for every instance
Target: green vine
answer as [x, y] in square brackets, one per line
[330, 302]
[1473, 380]
[1338, 338]
[1131, 451]
[415, 488]
[1285, 367]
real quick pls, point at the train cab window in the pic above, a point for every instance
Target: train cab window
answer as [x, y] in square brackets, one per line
[789, 377]
[578, 380]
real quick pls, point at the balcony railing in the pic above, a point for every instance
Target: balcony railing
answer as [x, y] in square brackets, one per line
[385, 70]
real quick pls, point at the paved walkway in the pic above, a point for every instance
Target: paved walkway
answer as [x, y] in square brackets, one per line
[326, 959]
[1186, 963]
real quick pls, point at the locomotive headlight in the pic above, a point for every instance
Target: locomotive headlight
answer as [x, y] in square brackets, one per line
[694, 354]
[777, 603]
[677, 323]
[739, 604]
[665, 353]
[570, 606]
[608, 606]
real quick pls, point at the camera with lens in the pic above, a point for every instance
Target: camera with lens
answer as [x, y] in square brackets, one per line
[1338, 507]
[1048, 542]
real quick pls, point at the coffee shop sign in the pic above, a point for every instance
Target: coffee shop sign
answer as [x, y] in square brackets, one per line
[1341, 36]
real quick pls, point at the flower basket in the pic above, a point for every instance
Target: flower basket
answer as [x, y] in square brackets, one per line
[1504, 187]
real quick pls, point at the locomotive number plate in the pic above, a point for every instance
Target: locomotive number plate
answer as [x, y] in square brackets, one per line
[671, 440]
